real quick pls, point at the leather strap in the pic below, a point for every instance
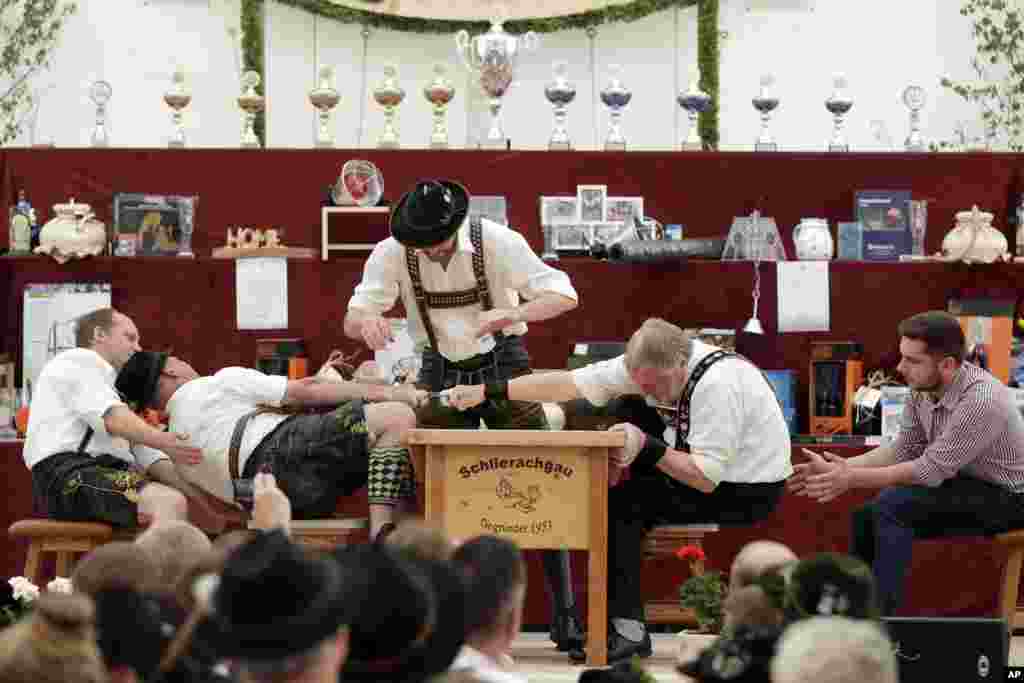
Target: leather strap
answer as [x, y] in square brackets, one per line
[85, 441]
[236, 441]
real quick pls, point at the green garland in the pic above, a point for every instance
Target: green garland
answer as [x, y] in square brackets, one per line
[252, 55]
[707, 35]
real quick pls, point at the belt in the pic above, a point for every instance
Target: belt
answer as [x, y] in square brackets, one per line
[236, 441]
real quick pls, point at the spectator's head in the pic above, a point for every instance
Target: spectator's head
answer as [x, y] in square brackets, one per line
[56, 643]
[109, 333]
[282, 612]
[834, 650]
[756, 589]
[756, 558]
[656, 358]
[116, 565]
[495, 579]
[175, 546]
[831, 584]
[132, 633]
[425, 540]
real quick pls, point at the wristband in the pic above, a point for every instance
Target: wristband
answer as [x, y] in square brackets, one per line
[651, 453]
[498, 390]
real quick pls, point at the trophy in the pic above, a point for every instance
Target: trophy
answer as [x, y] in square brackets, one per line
[99, 93]
[765, 102]
[493, 55]
[914, 97]
[695, 101]
[439, 92]
[389, 95]
[615, 96]
[550, 253]
[324, 98]
[560, 92]
[177, 97]
[251, 103]
[187, 209]
[918, 225]
[838, 104]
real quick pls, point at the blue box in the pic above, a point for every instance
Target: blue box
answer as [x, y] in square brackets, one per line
[851, 242]
[784, 384]
[885, 217]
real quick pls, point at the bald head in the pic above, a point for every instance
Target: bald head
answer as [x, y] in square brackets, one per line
[756, 558]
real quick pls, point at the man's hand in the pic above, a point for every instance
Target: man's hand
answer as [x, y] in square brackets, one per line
[465, 397]
[271, 508]
[376, 332]
[496, 319]
[635, 440]
[833, 477]
[177, 449]
[797, 482]
[410, 395]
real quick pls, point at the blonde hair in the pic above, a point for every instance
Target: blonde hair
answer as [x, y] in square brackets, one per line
[176, 546]
[422, 539]
[55, 644]
[658, 344]
[834, 650]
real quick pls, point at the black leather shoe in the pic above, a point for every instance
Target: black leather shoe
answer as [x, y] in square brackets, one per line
[567, 632]
[619, 648]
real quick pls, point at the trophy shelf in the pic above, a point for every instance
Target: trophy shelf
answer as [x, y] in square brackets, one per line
[326, 246]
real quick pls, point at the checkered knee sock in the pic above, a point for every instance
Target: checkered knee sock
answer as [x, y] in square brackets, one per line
[390, 478]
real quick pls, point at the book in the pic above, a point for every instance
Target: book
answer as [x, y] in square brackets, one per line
[885, 217]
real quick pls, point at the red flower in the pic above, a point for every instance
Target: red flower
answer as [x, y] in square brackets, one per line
[691, 552]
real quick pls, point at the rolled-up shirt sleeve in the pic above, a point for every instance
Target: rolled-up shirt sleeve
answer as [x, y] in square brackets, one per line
[971, 429]
[715, 417]
[600, 382]
[88, 393]
[377, 292]
[525, 272]
[146, 456]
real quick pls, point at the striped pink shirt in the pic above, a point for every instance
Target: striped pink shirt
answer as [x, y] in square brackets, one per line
[975, 428]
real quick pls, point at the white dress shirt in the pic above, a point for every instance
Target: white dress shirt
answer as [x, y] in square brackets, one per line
[737, 431]
[207, 409]
[512, 269]
[73, 393]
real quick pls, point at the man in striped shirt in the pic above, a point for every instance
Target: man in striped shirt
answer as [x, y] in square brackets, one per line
[955, 469]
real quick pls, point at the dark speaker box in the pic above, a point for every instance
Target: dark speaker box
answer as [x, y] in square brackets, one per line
[930, 649]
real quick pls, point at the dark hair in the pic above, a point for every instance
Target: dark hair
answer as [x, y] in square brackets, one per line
[940, 331]
[100, 319]
[493, 569]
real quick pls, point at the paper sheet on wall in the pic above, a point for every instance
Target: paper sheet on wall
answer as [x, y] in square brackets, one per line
[803, 296]
[261, 293]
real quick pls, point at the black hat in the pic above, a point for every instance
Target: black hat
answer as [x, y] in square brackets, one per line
[430, 213]
[275, 599]
[137, 380]
[831, 584]
[414, 624]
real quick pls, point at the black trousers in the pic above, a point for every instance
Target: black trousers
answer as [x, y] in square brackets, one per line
[650, 497]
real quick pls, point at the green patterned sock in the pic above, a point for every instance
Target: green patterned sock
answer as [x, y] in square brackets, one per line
[390, 478]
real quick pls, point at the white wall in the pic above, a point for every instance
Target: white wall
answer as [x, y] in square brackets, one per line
[882, 46]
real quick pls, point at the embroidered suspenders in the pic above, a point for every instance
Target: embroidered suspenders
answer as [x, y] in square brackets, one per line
[425, 300]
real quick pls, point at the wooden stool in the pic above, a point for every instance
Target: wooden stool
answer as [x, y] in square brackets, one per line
[1013, 542]
[66, 539]
[326, 534]
[666, 540]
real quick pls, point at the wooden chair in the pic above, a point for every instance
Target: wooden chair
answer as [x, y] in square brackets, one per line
[665, 540]
[64, 539]
[1013, 543]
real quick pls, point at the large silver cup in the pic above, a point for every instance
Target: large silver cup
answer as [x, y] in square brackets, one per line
[493, 56]
[560, 93]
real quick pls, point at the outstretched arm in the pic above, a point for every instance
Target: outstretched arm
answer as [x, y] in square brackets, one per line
[553, 387]
[316, 391]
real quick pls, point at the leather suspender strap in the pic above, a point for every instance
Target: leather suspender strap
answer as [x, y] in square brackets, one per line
[412, 263]
[482, 288]
[236, 441]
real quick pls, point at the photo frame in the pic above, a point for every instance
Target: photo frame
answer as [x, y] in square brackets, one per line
[153, 224]
[612, 233]
[559, 211]
[572, 238]
[623, 209]
[591, 200]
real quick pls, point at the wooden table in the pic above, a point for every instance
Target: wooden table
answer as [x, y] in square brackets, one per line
[541, 489]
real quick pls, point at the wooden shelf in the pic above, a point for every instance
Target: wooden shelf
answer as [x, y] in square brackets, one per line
[326, 246]
[256, 252]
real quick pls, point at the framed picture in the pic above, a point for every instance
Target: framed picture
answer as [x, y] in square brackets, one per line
[610, 233]
[623, 209]
[591, 199]
[575, 237]
[559, 211]
[152, 224]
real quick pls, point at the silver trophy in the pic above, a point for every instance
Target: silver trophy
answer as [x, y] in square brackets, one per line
[766, 102]
[439, 92]
[695, 101]
[100, 93]
[389, 95]
[493, 56]
[324, 99]
[251, 103]
[615, 96]
[838, 104]
[186, 206]
[177, 97]
[914, 97]
[560, 92]
[918, 225]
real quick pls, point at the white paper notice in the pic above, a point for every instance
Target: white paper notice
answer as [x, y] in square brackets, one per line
[261, 293]
[803, 296]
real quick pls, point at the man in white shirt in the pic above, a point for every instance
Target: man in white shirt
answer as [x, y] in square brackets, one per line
[91, 457]
[236, 417]
[460, 279]
[722, 456]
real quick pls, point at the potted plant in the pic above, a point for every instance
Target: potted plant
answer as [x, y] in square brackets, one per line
[703, 592]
